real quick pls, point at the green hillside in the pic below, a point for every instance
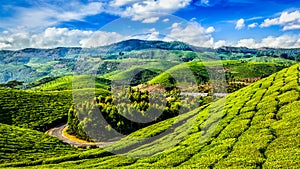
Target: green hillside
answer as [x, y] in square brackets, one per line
[270, 60]
[19, 144]
[258, 127]
[137, 68]
[66, 83]
[237, 73]
[33, 109]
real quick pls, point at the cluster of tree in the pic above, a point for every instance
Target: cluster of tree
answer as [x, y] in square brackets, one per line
[142, 76]
[12, 84]
[126, 113]
[40, 82]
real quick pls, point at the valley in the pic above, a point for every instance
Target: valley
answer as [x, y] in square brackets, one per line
[150, 104]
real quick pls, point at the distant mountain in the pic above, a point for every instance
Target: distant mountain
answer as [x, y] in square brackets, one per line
[25, 55]
[291, 54]
[135, 44]
[31, 63]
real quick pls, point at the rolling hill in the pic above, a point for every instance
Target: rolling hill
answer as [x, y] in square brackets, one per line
[66, 84]
[33, 109]
[255, 127]
[61, 61]
[19, 144]
[237, 73]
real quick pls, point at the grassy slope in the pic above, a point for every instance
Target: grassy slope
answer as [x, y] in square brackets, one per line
[270, 60]
[240, 70]
[32, 109]
[259, 127]
[156, 66]
[66, 83]
[48, 104]
[18, 144]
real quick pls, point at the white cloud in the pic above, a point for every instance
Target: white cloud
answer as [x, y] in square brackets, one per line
[5, 32]
[283, 41]
[193, 19]
[240, 24]
[153, 36]
[56, 37]
[253, 25]
[202, 3]
[49, 15]
[150, 20]
[291, 27]
[143, 10]
[122, 2]
[220, 43]
[38, 17]
[250, 43]
[101, 38]
[166, 20]
[192, 33]
[147, 36]
[4, 45]
[269, 22]
[289, 21]
[210, 29]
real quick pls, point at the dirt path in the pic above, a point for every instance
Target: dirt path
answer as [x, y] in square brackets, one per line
[58, 132]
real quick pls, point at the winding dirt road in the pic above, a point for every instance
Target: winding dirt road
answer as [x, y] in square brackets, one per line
[58, 132]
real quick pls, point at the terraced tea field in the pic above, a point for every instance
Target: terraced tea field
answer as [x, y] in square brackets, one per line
[255, 127]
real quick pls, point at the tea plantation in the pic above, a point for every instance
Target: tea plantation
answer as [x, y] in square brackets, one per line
[33, 109]
[19, 144]
[256, 127]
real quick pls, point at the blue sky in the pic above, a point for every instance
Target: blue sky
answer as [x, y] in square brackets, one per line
[208, 23]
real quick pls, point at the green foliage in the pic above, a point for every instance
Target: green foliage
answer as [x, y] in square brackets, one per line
[21, 145]
[238, 74]
[11, 84]
[34, 110]
[71, 82]
[84, 120]
[255, 127]
[258, 127]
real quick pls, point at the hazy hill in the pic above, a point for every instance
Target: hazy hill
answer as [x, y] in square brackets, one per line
[61, 61]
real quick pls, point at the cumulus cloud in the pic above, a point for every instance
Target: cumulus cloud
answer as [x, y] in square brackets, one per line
[250, 43]
[148, 10]
[48, 14]
[122, 2]
[101, 38]
[152, 34]
[150, 20]
[192, 33]
[289, 21]
[283, 41]
[166, 20]
[210, 29]
[56, 37]
[220, 43]
[240, 24]
[253, 25]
